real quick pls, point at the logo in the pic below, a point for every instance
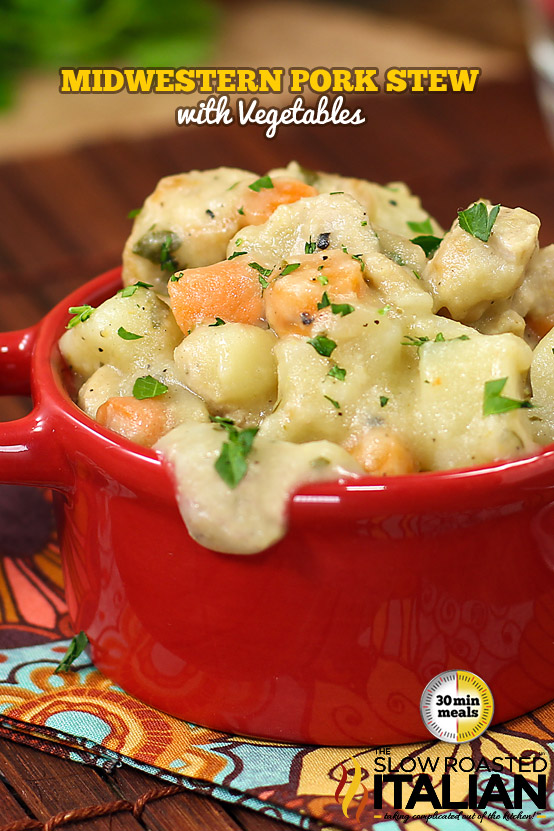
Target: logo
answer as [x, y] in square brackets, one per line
[456, 706]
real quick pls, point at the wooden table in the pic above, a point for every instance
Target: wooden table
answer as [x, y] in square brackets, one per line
[64, 220]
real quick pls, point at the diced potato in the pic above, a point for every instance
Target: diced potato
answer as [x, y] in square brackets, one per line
[95, 341]
[232, 367]
[466, 274]
[542, 383]
[449, 427]
[368, 348]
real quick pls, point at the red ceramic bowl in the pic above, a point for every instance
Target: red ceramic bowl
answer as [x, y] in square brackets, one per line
[328, 637]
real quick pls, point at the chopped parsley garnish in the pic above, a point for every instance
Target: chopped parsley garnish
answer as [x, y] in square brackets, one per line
[238, 241]
[424, 227]
[411, 341]
[148, 387]
[288, 269]
[385, 310]
[494, 403]
[135, 212]
[240, 211]
[237, 254]
[81, 313]
[263, 274]
[383, 400]
[335, 404]
[323, 345]
[210, 213]
[175, 277]
[310, 247]
[128, 291]
[428, 242]
[359, 258]
[337, 308]
[336, 192]
[337, 372]
[322, 278]
[478, 221]
[323, 240]
[416, 274]
[231, 463]
[218, 322]
[75, 648]
[123, 333]
[261, 183]
[439, 338]
[167, 261]
[364, 223]
[396, 258]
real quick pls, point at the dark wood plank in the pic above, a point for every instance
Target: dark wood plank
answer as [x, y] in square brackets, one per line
[10, 808]
[49, 785]
[187, 811]
[254, 821]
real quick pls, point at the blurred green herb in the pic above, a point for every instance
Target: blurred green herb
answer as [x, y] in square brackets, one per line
[46, 35]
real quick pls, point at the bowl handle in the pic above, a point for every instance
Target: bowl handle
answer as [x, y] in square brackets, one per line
[27, 454]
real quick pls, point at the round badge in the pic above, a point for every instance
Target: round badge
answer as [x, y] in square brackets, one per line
[456, 706]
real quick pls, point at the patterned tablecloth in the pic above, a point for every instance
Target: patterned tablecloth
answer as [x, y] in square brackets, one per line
[82, 715]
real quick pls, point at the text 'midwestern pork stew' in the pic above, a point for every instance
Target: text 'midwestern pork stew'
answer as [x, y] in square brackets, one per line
[302, 326]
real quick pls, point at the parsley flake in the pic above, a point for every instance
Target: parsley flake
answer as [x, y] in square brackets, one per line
[337, 372]
[335, 404]
[261, 183]
[81, 313]
[237, 254]
[218, 322]
[424, 227]
[478, 221]
[322, 278]
[167, 261]
[411, 341]
[428, 242]
[123, 333]
[135, 212]
[342, 309]
[231, 463]
[288, 269]
[310, 247]
[383, 400]
[75, 648]
[240, 211]
[210, 213]
[494, 403]
[358, 258]
[148, 387]
[128, 291]
[323, 345]
[263, 274]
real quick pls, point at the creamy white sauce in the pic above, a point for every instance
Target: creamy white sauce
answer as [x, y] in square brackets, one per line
[251, 517]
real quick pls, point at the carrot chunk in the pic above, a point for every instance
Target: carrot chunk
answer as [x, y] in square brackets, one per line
[143, 421]
[230, 290]
[291, 301]
[258, 206]
[382, 453]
